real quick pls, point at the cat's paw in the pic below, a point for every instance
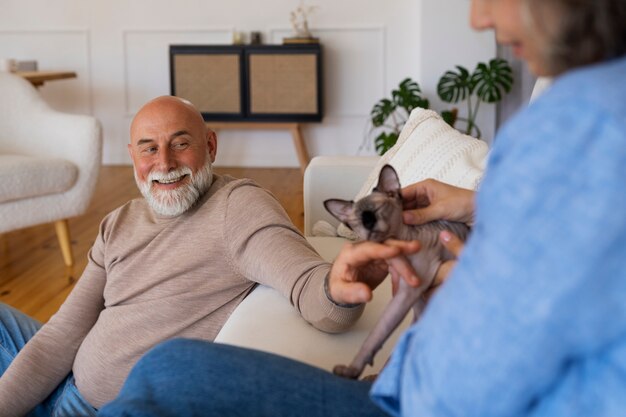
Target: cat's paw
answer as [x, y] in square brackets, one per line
[346, 371]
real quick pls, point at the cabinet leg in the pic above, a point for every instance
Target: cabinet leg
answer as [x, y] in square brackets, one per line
[301, 150]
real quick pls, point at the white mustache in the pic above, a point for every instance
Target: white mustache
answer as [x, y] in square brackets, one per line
[174, 202]
[169, 176]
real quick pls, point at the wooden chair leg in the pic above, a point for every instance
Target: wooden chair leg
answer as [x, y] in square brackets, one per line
[301, 150]
[63, 234]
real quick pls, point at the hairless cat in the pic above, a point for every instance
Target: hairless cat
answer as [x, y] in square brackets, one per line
[378, 217]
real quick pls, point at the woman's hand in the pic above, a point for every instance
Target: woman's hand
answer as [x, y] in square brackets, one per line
[361, 267]
[455, 245]
[430, 200]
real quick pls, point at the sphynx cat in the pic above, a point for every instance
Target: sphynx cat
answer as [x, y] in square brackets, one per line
[378, 217]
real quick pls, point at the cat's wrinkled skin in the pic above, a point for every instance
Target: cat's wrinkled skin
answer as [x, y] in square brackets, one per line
[378, 217]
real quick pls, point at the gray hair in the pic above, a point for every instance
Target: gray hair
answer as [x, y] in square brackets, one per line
[581, 32]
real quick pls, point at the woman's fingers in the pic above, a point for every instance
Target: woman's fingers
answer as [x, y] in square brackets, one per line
[451, 242]
[443, 272]
[422, 215]
[455, 245]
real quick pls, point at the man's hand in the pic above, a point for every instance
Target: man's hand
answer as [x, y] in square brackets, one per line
[430, 200]
[361, 267]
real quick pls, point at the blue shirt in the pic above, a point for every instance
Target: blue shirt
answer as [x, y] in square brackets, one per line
[532, 321]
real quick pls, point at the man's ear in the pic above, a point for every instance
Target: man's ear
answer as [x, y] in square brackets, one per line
[388, 180]
[340, 209]
[211, 138]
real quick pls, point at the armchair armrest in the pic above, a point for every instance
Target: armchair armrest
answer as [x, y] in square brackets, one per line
[332, 177]
[266, 321]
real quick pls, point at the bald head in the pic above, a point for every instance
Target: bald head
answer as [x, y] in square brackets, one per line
[163, 119]
[167, 109]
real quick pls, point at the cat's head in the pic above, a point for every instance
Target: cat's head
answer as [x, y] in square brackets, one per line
[377, 216]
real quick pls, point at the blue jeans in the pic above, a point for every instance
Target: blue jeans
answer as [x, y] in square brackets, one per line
[194, 378]
[16, 329]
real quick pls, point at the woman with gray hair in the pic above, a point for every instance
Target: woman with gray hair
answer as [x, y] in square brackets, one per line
[531, 320]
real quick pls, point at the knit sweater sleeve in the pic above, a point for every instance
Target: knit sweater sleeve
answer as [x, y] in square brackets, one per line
[265, 247]
[48, 357]
[527, 322]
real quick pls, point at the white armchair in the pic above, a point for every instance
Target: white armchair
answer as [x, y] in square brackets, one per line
[49, 161]
[332, 177]
[266, 321]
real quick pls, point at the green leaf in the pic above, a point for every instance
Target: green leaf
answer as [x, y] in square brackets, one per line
[385, 141]
[492, 80]
[381, 111]
[455, 86]
[409, 96]
[449, 116]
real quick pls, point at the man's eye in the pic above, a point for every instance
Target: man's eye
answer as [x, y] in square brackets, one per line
[150, 150]
[182, 145]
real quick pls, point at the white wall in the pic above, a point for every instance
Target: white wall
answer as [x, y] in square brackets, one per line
[119, 50]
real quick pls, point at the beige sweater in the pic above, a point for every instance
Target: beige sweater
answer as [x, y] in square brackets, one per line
[150, 279]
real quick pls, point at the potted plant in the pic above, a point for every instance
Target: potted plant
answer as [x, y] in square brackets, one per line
[488, 83]
[392, 114]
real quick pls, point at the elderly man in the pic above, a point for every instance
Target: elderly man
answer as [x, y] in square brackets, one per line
[174, 264]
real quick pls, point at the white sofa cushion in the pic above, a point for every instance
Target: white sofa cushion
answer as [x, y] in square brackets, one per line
[26, 176]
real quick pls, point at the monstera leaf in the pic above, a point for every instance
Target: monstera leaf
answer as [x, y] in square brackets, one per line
[381, 111]
[409, 96]
[455, 86]
[391, 114]
[384, 141]
[488, 83]
[450, 116]
[492, 80]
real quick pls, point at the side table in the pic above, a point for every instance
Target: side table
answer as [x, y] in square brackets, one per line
[37, 78]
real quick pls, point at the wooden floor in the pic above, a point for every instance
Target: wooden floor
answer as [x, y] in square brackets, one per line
[33, 277]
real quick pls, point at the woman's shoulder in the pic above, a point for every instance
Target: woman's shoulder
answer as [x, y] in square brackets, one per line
[581, 109]
[600, 87]
[581, 96]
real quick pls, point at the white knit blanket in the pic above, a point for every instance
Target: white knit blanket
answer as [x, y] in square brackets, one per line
[428, 148]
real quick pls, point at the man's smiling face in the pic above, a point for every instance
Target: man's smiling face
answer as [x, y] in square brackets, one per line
[172, 151]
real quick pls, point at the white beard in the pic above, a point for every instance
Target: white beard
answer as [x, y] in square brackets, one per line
[172, 203]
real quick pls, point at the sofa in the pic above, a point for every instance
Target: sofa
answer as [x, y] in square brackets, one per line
[266, 321]
[427, 148]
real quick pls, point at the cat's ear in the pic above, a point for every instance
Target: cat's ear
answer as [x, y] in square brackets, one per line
[340, 209]
[388, 180]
